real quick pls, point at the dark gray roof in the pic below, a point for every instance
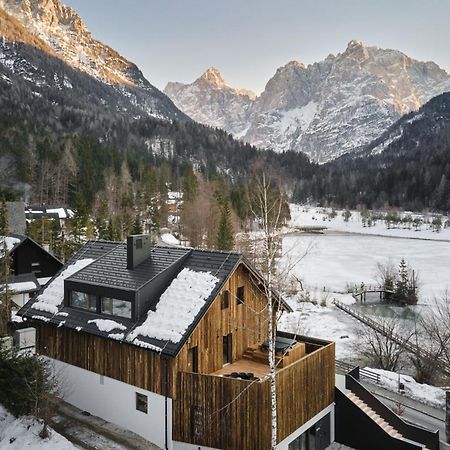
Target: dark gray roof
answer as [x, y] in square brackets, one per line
[109, 268]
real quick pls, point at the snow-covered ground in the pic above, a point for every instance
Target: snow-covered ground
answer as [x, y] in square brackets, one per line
[424, 393]
[336, 259]
[323, 320]
[23, 433]
[311, 216]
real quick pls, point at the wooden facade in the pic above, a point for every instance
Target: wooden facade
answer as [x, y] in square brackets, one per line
[230, 414]
[211, 410]
[246, 323]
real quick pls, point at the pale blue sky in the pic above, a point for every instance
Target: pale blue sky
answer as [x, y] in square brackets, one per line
[247, 40]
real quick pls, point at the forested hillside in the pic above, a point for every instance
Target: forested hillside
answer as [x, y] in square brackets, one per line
[407, 167]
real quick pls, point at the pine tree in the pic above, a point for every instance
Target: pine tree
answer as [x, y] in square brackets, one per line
[225, 236]
[5, 272]
[137, 225]
[4, 226]
[403, 280]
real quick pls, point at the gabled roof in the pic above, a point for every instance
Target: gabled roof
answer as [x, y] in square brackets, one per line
[103, 263]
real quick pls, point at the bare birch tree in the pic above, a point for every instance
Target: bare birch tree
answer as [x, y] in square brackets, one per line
[266, 206]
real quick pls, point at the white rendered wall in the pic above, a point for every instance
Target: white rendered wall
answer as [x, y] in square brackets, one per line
[284, 444]
[115, 402]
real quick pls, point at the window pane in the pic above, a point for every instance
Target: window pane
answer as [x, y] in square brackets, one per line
[225, 299]
[141, 403]
[116, 307]
[83, 300]
[240, 295]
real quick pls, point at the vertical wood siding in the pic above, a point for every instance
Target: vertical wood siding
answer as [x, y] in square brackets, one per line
[247, 323]
[235, 414]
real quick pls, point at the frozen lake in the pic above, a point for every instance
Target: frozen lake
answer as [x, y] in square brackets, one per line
[336, 259]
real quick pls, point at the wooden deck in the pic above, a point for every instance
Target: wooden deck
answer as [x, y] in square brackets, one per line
[244, 365]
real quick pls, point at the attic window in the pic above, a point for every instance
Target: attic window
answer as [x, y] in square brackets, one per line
[225, 300]
[116, 307]
[83, 300]
[240, 295]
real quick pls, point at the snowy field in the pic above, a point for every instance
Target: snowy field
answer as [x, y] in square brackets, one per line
[312, 216]
[348, 253]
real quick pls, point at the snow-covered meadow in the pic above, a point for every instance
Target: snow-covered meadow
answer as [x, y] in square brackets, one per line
[348, 254]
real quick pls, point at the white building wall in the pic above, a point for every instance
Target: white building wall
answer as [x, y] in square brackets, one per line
[115, 402]
[284, 444]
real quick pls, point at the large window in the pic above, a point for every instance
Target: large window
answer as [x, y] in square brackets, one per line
[83, 300]
[116, 307]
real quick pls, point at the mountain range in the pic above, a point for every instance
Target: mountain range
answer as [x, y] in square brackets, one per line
[325, 109]
[74, 111]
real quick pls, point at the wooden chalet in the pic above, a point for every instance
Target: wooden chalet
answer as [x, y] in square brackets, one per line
[169, 342]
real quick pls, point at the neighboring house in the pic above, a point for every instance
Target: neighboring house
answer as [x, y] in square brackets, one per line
[31, 266]
[58, 213]
[169, 343]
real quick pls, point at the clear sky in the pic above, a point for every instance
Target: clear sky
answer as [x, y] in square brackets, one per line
[247, 40]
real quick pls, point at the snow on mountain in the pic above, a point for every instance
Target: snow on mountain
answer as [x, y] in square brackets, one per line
[211, 101]
[325, 109]
[61, 29]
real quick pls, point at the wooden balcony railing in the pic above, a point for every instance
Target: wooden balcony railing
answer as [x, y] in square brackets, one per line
[230, 414]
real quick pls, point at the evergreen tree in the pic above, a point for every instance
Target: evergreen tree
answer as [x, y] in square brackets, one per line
[4, 226]
[137, 226]
[5, 273]
[225, 236]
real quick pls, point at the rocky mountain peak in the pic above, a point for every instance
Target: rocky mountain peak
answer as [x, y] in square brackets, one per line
[355, 44]
[213, 77]
[62, 32]
[325, 109]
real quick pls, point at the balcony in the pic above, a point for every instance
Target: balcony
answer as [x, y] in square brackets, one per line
[254, 362]
[219, 411]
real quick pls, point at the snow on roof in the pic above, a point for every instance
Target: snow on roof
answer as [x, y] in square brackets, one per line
[60, 211]
[24, 286]
[177, 307]
[170, 239]
[10, 243]
[107, 325]
[53, 294]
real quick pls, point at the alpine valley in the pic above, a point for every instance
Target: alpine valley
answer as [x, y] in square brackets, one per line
[325, 109]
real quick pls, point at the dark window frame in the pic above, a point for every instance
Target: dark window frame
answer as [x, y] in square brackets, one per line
[227, 349]
[98, 305]
[141, 399]
[240, 295]
[100, 300]
[193, 359]
[225, 299]
[80, 308]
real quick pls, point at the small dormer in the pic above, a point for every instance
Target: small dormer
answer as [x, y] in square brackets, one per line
[126, 282]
